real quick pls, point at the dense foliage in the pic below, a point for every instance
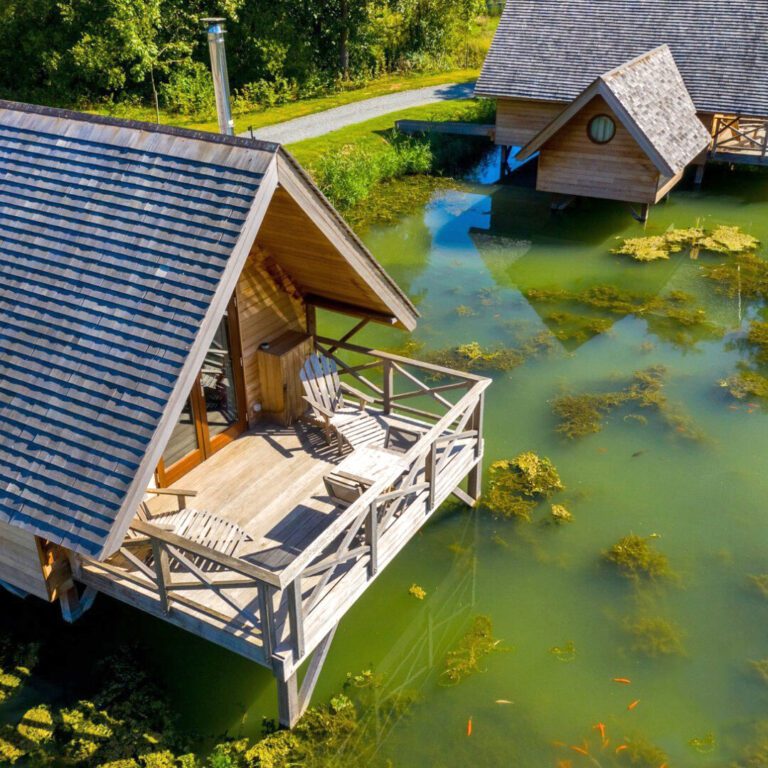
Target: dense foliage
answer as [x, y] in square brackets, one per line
[96, 51]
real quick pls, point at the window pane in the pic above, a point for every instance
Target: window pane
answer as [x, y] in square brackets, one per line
[183, 438]
[218, 380]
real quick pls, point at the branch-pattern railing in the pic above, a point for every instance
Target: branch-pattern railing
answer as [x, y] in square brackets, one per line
[271, 608]
[746, 135]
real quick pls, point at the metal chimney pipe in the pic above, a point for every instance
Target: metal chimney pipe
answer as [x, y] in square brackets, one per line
[220, 77]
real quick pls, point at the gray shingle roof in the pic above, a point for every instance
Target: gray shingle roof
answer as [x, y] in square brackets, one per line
[650, 98]
[114, 239]
[553, 49]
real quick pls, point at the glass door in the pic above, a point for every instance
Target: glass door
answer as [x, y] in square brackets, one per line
[215, 413]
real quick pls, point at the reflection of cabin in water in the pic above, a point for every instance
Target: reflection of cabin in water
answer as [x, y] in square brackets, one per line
[607, 92]
[159, 286]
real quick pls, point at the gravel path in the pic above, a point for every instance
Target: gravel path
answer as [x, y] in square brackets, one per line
[339, 117]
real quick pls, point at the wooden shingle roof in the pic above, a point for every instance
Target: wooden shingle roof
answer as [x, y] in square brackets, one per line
[649, 97]
[115, 242]
[551, 50]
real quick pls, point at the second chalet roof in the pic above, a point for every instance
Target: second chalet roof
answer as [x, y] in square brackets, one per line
[120, 246]
[649, 97]
[551, 50]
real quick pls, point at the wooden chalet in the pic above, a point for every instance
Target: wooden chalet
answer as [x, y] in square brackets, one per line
[176, 432]
[605, 91]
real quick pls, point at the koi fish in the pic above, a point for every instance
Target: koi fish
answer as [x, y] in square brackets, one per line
[564, 764]
[633, 704]
[503, 701]
[601, 727]
[580, 750]
[469, 727]
[624, 680]
[621, 748]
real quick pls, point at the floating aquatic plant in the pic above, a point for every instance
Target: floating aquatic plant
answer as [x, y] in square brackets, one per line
[704, 744]
[565, 653]
[746, 383]
[576, 327]
[465, 659]
[560, 514]
[723, 239]
[580, 415]
[755, 754]
[516, 486]
[472, 357]
[464, 311]
[728, 240]
[635, 558]
[760, 582]
[655, 636]
[649, 248]
[416, 591]
[745, 275]
[761, 669]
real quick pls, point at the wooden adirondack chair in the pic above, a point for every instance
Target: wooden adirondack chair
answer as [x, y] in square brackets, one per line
[345, 421]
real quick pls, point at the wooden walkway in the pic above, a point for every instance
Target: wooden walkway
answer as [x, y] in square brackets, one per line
[452, 127]
[304, 560]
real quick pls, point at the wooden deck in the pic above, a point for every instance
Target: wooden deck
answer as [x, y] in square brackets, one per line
[303, 560]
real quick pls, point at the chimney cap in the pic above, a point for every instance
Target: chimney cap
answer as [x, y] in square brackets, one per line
[212, 21]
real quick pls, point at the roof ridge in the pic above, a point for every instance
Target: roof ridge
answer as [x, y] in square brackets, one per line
[633, 62]
[139, 125]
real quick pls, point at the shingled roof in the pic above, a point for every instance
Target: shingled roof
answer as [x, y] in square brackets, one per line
[649, 97]
[551, 50]
[120, 247]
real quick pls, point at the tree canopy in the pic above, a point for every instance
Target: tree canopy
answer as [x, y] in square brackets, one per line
[92, 51]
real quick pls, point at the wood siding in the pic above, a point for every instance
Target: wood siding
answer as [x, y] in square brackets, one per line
[268, 306]
[518, 121]
[20, 561]
[571, 164]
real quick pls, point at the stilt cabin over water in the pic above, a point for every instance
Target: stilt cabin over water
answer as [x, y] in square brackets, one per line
[602, 89]
[177, 433]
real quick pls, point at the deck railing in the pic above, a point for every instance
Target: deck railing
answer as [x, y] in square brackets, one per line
[279, 616]
[741, 136]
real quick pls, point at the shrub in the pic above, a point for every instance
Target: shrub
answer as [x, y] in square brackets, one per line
[189, 91]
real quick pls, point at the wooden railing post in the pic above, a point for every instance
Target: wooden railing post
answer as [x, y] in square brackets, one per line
[431, 476]
[475, 477]
[296, 616]
[387, 385]
[372, 537]
[163, 574]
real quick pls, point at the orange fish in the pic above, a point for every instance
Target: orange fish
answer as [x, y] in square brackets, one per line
[624, 680]
[621, 748]
[633, 704]
[469, 727]
[733, 407]
[601, 727]
[663, 765]
[564, 764]
[580, 750]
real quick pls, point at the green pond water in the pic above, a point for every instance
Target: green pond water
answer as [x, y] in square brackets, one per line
[542, 585]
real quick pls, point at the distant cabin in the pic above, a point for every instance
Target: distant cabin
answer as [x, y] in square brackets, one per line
[177, 432]
[619, 97]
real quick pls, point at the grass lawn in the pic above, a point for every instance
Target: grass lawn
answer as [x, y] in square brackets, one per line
[368, 134]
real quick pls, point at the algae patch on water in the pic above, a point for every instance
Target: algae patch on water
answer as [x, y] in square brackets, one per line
[584, 414]
[723, 239]
[474, 646]
[635, 557]
[654, 636]
[516, 486]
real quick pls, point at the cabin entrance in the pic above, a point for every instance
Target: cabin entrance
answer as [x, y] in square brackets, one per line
[215, 412]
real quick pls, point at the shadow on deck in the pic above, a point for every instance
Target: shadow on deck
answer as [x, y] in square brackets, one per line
[275, 562]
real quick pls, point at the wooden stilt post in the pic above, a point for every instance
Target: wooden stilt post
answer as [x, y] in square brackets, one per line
[504, 166]
[699, 177]
[73, 605]
[292, 700]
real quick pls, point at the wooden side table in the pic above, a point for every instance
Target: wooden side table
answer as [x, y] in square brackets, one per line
[279, 368]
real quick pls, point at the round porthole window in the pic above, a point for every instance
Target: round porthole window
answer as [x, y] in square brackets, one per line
[601, 129]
